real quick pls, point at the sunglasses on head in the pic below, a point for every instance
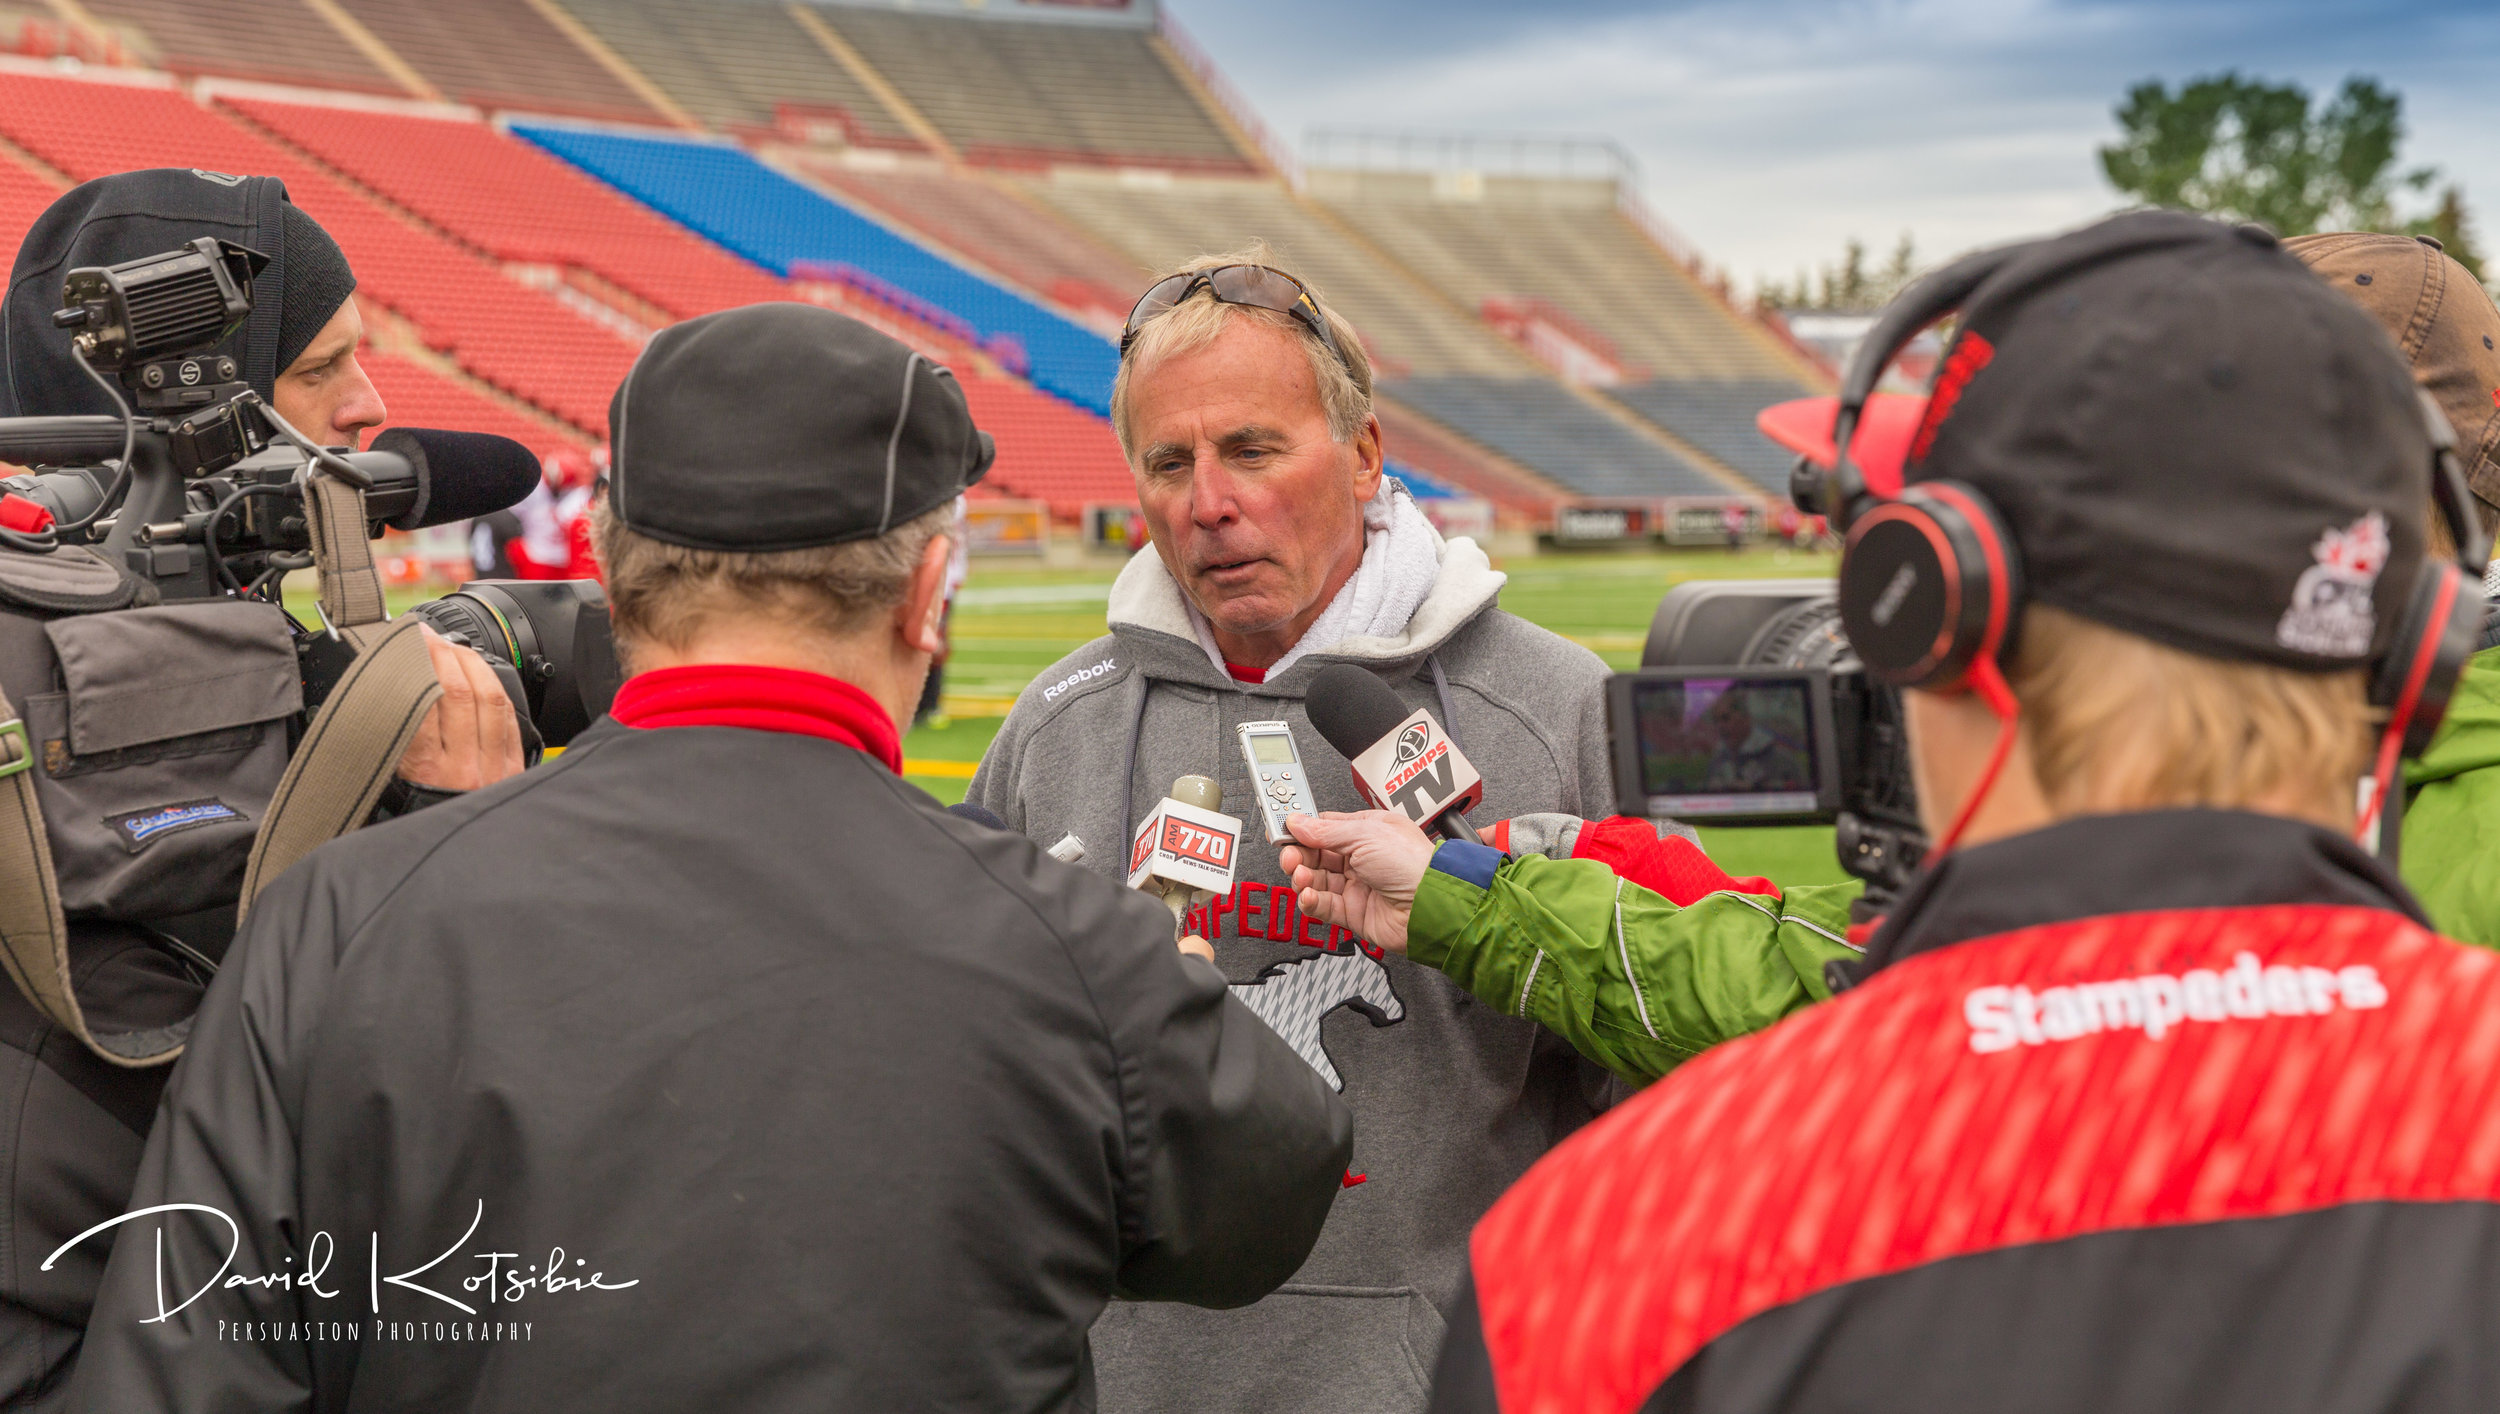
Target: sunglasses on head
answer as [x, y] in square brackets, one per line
[1252, 285]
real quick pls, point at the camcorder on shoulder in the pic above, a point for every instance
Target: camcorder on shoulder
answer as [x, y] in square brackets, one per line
[170, 736]
[1750, 709]
[196, 490]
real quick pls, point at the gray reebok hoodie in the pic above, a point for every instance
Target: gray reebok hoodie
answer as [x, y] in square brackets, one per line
[1452, 1100]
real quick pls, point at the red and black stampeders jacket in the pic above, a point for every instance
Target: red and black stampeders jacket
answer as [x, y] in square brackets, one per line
[2162, 1112]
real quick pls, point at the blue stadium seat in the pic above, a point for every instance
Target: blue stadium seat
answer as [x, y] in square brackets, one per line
[777, 222]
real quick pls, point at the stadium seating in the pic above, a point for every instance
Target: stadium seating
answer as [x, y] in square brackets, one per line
[1716, 415]
[514, 202]
[1024, 93]
[497, 53]
[24, 194]
[1414, 440]
[261, 39]
[739, 66]
[1408, 329]
[1565, 242]
[522, 340]
[417, 396]
[1540, 423]
[1008, 234]
[777, 222]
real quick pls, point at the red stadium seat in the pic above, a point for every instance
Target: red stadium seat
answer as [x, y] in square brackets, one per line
[524, 341]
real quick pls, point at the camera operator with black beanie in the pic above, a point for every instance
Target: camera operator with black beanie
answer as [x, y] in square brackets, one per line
[77, 1123]
[847, 1102]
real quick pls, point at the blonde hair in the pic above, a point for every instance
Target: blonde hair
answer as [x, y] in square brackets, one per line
[666, 594]
[1345, 389]
[2119, 723]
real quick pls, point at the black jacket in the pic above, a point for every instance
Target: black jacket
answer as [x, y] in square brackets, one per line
[2180, 1111]
[856, 1104]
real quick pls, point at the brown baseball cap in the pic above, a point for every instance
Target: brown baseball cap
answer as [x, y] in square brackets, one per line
[2443, 320]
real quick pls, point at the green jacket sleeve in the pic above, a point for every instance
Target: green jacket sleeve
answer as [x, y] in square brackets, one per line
[2452, 819]
[1632, 981]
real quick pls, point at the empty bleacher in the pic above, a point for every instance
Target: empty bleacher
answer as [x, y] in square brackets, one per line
[735, 67]
[1563, 241]
[274, 39]
[24, 194]
[417, 396]
[1020, 92]
[497, 53]
[776, 221]
[512, 201]
[1161, 224]
[1538, 422]
[1717, 415]
[522, 340]
[1417, 441]
[1007, 233]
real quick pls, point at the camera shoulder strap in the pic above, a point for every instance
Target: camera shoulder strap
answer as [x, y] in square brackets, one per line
[346, 758]
[348, 754]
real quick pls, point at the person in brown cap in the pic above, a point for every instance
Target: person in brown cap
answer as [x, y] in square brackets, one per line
[2446, 324]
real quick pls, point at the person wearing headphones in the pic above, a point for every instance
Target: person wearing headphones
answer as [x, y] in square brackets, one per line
[1748, 951]
[2153, 1125]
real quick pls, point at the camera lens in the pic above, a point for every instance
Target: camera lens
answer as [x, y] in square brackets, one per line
[465, 618]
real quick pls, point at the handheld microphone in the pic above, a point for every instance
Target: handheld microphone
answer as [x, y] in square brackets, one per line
[1184, 851]
[1403, 760]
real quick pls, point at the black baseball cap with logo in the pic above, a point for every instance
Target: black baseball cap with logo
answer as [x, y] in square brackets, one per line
[785, 427]
[2189, 436]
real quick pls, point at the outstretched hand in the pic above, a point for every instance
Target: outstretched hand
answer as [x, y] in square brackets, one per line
[1358, 870]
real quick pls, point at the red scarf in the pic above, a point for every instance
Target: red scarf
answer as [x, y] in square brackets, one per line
[761, 699]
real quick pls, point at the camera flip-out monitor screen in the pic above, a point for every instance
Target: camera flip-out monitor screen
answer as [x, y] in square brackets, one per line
[1735, 744]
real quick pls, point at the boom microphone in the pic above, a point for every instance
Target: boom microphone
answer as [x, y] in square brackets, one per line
[458, 475]
[1403, 760]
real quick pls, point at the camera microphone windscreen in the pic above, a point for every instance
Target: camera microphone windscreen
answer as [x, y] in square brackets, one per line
[1403, 759]
[460, 475]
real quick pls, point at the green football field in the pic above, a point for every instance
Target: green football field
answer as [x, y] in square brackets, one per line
[1015, 619]
[1012, 621]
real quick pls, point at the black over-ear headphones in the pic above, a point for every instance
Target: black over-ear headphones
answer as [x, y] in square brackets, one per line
[1931, 582]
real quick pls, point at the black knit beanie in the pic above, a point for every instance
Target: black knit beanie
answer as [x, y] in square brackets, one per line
[317, 283]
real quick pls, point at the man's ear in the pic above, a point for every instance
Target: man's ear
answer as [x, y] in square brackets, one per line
[1371, 458]
[921, 618]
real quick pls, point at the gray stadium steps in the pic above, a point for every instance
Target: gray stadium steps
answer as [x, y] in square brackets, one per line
[1542, 425]
[1717, 415]
[737, 65]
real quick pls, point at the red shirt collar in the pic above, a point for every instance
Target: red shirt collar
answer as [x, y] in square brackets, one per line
[761, 699]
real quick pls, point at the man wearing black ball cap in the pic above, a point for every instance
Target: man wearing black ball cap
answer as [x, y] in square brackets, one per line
[802, 1094]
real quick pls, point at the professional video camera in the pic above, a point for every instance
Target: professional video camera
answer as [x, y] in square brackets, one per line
[197, 487]
[1750, 709]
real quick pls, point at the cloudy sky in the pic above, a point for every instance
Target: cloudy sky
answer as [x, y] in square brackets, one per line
[1771, 131]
